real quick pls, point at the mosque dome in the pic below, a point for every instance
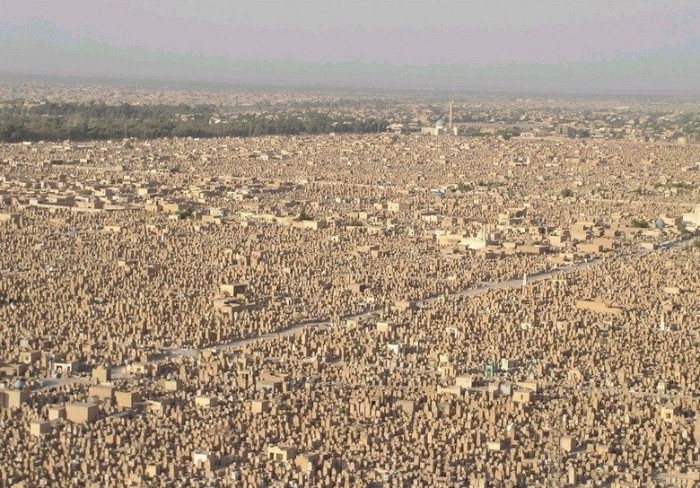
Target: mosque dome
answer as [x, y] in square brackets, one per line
[440, 123]
[19, 385]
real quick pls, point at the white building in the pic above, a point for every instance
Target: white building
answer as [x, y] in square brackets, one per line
[692, 219]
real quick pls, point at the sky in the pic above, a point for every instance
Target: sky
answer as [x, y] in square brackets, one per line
[614, 46]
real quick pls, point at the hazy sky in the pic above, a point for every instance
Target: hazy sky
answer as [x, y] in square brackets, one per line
[589, 45]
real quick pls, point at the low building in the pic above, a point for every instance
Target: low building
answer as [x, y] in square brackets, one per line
[206, 401]
[82, 413]
[127, 399]
[39, 429]
[281, 453]
[102, 374]
[13, 399]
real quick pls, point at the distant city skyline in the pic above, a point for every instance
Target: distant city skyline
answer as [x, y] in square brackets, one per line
[572, 47]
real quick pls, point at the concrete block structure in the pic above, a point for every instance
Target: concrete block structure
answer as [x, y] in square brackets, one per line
[82, 413]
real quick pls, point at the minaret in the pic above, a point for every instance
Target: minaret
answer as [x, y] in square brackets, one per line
[524, 279]
[450, 124]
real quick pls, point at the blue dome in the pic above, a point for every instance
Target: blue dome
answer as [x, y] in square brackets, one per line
[19, 385]
[440, 123]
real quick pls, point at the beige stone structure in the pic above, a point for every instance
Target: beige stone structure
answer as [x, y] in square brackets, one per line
[456, 311]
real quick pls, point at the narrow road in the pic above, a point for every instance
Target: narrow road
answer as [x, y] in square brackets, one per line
[122, 372]
[469, 292]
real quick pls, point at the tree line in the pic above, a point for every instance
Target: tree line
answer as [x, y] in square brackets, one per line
[95, 121]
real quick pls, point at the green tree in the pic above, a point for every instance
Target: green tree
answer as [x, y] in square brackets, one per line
[640, 224]
[303, 215]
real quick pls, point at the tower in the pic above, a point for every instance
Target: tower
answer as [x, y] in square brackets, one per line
[450, 120]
